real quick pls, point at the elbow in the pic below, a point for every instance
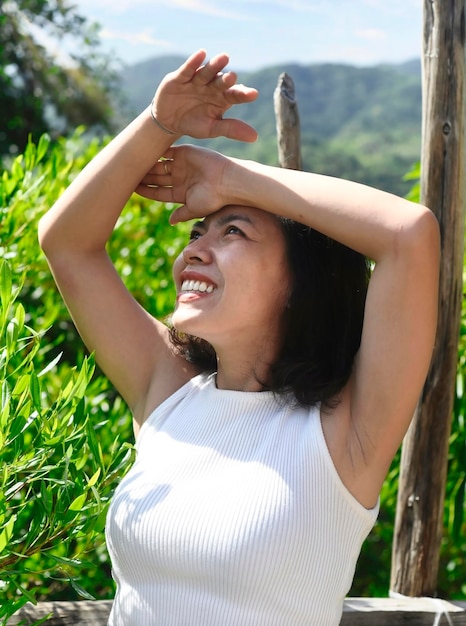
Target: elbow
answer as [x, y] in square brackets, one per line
[419, 238]
[427, 234]
[56, 238]
[42, 234]
[45, 235]
[53, 241]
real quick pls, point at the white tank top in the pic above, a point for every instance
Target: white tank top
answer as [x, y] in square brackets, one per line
[233, 515]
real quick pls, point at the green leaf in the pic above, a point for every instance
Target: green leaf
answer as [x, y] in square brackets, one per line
[6, 284]
[63, 560]
[43, 146]
[81, 462]
[415, 173]
[80, 590]
[25, 592]
[30, 155]
[6, 533]
[34, 387]
[21, 385]
[46, 497]
[17, 169]
[94, 478]
[459, 508]
[11, 491]
[78, 503]
[5, 412]
[11, 336]
[50, 366]
[20, 316]
[3, 540]
[100, 521]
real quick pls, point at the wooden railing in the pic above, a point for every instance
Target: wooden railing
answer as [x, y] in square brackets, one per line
[357, 612]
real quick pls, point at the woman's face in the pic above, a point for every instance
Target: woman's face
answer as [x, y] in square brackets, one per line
[232, 279]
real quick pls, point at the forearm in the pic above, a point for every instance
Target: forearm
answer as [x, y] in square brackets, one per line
[365, 219]
[83, 218]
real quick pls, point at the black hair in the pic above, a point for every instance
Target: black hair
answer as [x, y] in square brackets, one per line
[323, 319]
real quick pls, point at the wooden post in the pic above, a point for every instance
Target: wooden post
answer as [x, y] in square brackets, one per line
[287, 122]
[419, 519]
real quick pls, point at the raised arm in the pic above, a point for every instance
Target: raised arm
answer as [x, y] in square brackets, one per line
[402, 238]
[130, 346]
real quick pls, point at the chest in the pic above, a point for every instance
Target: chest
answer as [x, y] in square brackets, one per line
[207, 535]
[195, 508]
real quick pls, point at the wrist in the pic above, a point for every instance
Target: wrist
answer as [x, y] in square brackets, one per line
[239, 181]
[158, 123]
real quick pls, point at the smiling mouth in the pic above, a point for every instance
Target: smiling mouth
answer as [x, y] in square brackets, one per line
[196, 285]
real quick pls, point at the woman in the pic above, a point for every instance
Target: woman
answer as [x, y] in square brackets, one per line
[267, 418]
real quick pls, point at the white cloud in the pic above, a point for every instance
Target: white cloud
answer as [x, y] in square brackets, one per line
[208, 8]
[289, 4]
[136, 38]
[394, 7]
[371, 34]
[237, 10]
[212, 7]
[297, 6]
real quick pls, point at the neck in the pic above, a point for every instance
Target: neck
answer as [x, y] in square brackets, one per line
[238, 371]
[237, 380]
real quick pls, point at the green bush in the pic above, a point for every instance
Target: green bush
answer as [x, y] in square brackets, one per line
[55, 479]
[66, 436]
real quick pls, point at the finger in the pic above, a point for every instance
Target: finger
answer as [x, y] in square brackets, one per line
[212, 68]
[160, 174]
[158, 193]
[153, 170]
[188, 69]
[181, 214]
[225, 81]
[166, 165]
[150, 180]
[157, 168]
[170, 153]
[234, 129]
[238, 94]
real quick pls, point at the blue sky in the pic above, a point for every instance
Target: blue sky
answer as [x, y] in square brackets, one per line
[259, 33]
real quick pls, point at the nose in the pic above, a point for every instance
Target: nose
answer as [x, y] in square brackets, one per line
[197, 251]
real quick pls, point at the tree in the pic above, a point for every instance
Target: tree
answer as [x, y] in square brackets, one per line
[52, 74]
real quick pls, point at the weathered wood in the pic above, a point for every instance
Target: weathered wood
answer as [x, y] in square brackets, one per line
[418, 525]
[402, 611]
[81, 613]
[357, 612]
[287, 123]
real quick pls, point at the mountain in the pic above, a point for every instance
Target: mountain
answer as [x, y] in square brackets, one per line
[362, 123]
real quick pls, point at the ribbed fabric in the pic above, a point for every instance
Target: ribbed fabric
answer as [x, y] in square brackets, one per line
[232, 515]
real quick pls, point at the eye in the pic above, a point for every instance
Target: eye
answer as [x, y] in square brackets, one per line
[194, 234]
[233, 230]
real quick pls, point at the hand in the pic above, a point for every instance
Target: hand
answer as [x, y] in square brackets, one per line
[192, 100]
[191, 176]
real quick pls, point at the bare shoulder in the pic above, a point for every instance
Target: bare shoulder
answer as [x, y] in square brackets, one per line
[169, 375]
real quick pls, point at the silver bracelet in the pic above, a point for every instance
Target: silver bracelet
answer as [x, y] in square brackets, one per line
[161, 126]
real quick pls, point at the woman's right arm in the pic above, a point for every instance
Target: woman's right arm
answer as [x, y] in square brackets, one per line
[131, 346]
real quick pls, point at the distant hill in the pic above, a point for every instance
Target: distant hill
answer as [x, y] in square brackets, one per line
[362, 123]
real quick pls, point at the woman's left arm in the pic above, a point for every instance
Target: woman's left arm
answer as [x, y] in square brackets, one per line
[400, 237]
[400, 320]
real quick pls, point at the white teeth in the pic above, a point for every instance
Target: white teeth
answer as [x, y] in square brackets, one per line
[196, 285]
